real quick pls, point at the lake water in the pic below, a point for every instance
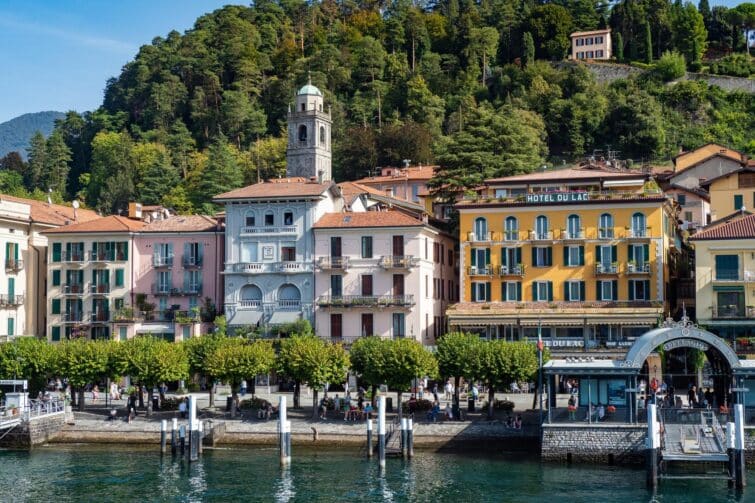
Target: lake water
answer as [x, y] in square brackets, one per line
[119, 473]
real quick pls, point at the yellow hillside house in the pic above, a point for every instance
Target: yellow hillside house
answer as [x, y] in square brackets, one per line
[731, 192]
[584, 253]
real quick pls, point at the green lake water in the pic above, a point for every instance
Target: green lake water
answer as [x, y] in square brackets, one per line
[118, 473]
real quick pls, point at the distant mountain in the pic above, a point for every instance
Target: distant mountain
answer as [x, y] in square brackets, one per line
[16, 133]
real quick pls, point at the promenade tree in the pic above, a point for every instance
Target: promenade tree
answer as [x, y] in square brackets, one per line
[150, 361]
[309, 359]
[406, 360]
[458, 356]
[368, 355]
[198, 350]
[235, 359]
[84, 362]
[28, 358]
[501, 363]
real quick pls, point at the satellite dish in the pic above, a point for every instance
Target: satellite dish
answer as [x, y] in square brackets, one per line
[75, 204]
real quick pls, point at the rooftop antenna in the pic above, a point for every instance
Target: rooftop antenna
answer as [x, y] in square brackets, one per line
[75, 205]
[49, 196]
[406, 162]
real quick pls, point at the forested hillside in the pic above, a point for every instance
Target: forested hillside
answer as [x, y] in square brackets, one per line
[16, 133]
[465, 84]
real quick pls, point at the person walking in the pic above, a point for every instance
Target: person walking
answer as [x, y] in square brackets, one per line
[692, 397]
[243, 387]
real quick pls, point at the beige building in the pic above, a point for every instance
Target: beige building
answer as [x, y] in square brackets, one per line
[24, 248]
[731, 192]
[725, 276]
[595, 44]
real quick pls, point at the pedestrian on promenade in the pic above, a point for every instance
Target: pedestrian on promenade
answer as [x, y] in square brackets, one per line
[449, 390]
[95, 393]
[243, 387]
[323, 409]
[420, 390]
[182, 408]
[692, 397]
[337, 402]
[572, 408]
[436, 398]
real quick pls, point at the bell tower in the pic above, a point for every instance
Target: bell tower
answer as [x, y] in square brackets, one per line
[309, 149]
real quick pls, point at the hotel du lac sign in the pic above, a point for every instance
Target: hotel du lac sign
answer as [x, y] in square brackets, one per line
[557, 197]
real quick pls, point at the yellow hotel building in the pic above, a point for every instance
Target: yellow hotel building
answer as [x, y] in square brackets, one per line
[583, 252]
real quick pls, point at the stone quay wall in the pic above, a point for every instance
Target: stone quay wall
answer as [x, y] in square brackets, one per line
[594, 443]
[37, 431]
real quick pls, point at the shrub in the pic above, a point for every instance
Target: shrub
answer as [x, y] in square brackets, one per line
[252, 403]
[422, 405]
[670, 66]
[504, 405]
[736, 65]
[170, 403]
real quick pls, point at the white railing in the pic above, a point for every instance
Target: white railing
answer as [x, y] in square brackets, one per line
[637, 233]
[251, 267]
[250, 304]
[39, 408]
[638, 268]
[541, 236]
[474, 237]
[292, 305]
[292, 267]
[278, 229]
[580, 234]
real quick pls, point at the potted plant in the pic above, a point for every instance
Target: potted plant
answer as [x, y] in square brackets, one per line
[631, 265]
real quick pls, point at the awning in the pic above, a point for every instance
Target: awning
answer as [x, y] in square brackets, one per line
[284, 317]
[245, 317]
[553, 322]
[624, 183]
[728, 288]
[155, 328]
[649, 322]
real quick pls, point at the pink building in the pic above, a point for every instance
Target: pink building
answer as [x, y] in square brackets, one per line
[177, 286]
[406, 183]
[382, 273]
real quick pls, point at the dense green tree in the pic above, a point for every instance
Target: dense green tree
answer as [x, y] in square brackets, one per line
[198, 351]
[648, 44]
[528, 55]
[84, 362]
[690, 35]
[703, 8]
[35, 167]
[368, 359]
[458, 357]
[501, 363]
[220, 174]
[406, 360]
[406, 140]
[29, 358]
[743, 15]
[618, 47]
[56, 165]
[12, 161]
[550, 25]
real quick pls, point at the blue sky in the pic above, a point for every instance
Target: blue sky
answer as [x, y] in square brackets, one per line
[58, 54]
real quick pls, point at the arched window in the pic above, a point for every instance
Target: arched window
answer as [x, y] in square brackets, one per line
[511, 229]
[322, 136]
[251, 296]
[541, 227]
[638, 225]
[302, 133]
[605, 226]
[269, 219]
[289, 297]
[573, 226]
[250, 219]
[480, 229]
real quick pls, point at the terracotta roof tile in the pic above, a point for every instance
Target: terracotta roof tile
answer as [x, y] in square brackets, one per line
[53, 214]
[568, 174]
[367, 219]
[183, 223]
[112, 224]
[735, 226]
[352, 190]
[691, 158]
[593, 32]
[282, 187]
[402, 174]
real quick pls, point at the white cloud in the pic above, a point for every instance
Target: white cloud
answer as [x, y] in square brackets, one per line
[95, 42]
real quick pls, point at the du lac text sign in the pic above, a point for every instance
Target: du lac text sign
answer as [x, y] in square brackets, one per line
[557, 197]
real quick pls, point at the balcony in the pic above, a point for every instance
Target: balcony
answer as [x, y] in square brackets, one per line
[731, 276]
[251, 267]
[733, 311]
[72, 289]
[511, 235]
[293, 267]
[13, 265]
[541, 236]
[398, 261]
[100, 316]
[573, 236]
[125, 315]
[633, 268]
[474, 237]
[186, 317]
[272, 229]
[514, 270]
[166, 315]
[333, 263]
[163, 289]
[249, 305]
[105, 256]
[188, 290]
[637, 233]
[288, 305]
[481, 271]
[75, 257]
[72, 317]
[159, 261]
[605, 232]
[361, 301]
[188, 261]
[101, 289]
[11, 300]
[606, 269]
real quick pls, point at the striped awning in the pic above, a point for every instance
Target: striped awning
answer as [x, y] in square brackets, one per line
[155, 328]
[284, 317]
[553, 322]
[245, 317]
[634, 322]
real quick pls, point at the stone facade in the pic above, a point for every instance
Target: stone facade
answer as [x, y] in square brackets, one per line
[594, 443]
[35, 432]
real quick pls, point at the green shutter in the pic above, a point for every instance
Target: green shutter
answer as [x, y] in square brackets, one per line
[487, 292]
[738, 202]
[55, 334]
[473, 292]
[534, 291]
[582, 290]
[549, 256]
[566, 256]
[534, 257]
[615, 289]
[55, 306]
[614, 253]
[487, 256]
[473, 260]
[505, 258]
[550, 291]
[646, 250]
[56, 252]
[7, 252]
[630, 253]
[56, 277]
[647, 288]
[119, 277]
[11, 326]
[567, 293]
[597, 254]
[581, 255]
[598, 291]
[518, 256]
[519, 291]
[11, 288]
[630, 295]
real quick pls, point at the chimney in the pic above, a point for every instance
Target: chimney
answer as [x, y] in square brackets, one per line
[135, 210]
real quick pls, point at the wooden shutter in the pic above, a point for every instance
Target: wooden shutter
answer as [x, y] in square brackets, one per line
[473, 258]
[366, 284]
[550, 291]
[398, 284]
[615, 289]
[566, 255]
[487, 256]
[55, 306]
[614, 253]
[56, 252]
[398, 246]
[647, 289]
[582, 290]
[630, 253]
[581, 255]
[549, 256]
[519, 291]
[631, 290]
[646, 251]
[487, 291]
[518, 256]
[597, 254]
[56, 278]
[534, 257]
[567, 293]
[598, 290]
